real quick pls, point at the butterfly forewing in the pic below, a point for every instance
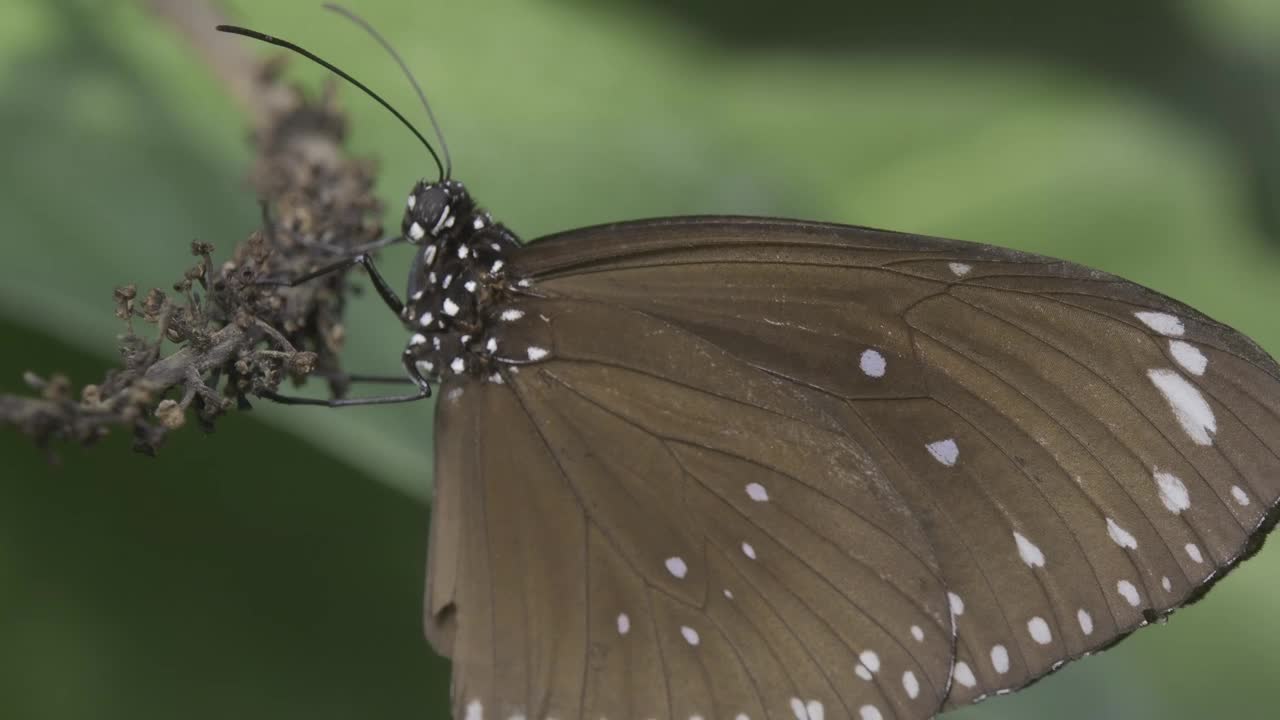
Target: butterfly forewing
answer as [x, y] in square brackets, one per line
[846, 438]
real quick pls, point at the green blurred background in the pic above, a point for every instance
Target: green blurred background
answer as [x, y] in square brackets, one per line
[274, 569]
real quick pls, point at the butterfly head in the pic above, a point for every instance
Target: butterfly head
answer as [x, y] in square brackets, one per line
[433, 209]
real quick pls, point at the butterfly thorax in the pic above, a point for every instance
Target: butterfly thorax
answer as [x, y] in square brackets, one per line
[456, 277]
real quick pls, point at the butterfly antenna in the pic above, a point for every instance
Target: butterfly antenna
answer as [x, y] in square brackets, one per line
[444, 146]
[236, 30]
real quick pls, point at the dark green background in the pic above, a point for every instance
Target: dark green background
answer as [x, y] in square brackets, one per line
[273, 570]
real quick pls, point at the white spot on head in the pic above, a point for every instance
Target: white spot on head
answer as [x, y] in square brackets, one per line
[416, 232]
[492, 345]
[1085, 620]
[815, 710]
[1122, 537]
[872, 363]
[862, 672]
[1166, 583]
[1031, 554]
[677, 567]
[458, 365]
[917, 633]
[957, 604]
[477, 223]
[1241, 497]
[1173, 493]
[1039, 630]
[511, 314]
[1163, 323]
[450, 307]
[428, 257]
[1000, 659]
[1189, 406]
[1128, 592]
[748, 550]
[960, 269]
[536, 353]
[963, 674]
[869, 712]
[944, 451]
[756, 492]
[690, 635]
[624, 624]
[871, 660]
[1188, 356]
[413, 200]
[475, 711]
[911, 684]
[425, 367]
[1193, 552]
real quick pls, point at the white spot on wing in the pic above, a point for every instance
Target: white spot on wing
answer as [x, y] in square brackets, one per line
[748, 550]
[1163, 323]
[957, 604]
[917, 633]
[797, 707]
[756, 492]
[1193, 552]
[1085, 620]
[1031, 554]
[964, 674]
[1122, 537]
[960, 269]
[872, 363]
[1039, 630]
[690, 635]
[911, 684]
[1128, 592]
[536, 353]
[944, 451]
[1173, 493]
[862, 672]
[1189, 406]
[1241, 497]
[624, 624]
[1000, 659]
[677, 567]
[870, 712]
[815, 709]
[1188, 356]
[475, 711]
[871, 660]
[511, 314]
[1166, 583]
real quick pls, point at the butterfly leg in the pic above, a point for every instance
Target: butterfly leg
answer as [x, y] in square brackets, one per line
[343, 402]
[363, 259]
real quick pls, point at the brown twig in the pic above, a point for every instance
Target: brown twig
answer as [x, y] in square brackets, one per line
[222, 335]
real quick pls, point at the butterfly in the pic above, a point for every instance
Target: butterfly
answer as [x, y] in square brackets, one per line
[745, 468]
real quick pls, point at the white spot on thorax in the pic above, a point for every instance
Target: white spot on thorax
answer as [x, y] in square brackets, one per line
[1188, 356]
[475, 711]
[871, 660]
[1193, 552]
[870, 712]
[463, 251]
[417, 339]
[470, 285]
[497, 265]
[756, 492]
[1189, 406]
[1173, 492]
[426, 319]
[478, 223]
[677, 567]
[428, 257]
[1128, 592]
[1122, 537]
[1085, 620]
[511, 314]
[458, 365]
[960, 269]
[1241, 497]
[536, 353]
[447, 280]
[957, 604]
[1163, 323]
[963, 674]
[624, 624]
[1039, 630]
[748, 550]
[450, 307]
[690, 635]
[416, 232]
[491, 345]
[911, 684]
[1030, 554]
[872, 363]
[917, 633]
[944, 451]
[1000, 659]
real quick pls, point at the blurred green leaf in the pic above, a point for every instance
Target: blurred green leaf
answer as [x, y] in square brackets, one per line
[120, 149]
